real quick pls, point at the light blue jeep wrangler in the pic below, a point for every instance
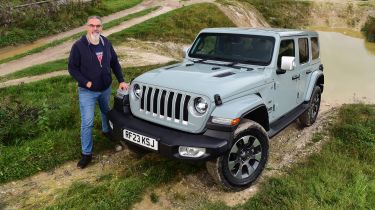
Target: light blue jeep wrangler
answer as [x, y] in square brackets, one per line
[235, 89]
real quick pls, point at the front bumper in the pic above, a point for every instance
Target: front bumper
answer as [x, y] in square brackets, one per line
[216, 142]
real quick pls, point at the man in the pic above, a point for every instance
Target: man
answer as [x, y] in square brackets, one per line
[90, 62]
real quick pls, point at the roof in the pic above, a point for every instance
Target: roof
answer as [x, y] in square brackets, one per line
[282, 32]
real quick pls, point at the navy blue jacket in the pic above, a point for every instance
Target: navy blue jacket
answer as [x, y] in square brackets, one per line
[84, 66]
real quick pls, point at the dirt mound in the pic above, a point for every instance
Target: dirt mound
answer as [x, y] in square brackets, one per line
[243, 14]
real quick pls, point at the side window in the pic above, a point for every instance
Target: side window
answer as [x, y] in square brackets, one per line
[303, 50]
[286, 49]
[315, 47]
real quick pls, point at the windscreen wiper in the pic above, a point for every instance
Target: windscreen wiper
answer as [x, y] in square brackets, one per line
[194, 61]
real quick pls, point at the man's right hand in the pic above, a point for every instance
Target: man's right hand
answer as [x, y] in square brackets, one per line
[89, 84]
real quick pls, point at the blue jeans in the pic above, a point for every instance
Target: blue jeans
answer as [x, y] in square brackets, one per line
[87, 102]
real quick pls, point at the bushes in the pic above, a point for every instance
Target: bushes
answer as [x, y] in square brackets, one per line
[17, 121]
[369, 29]
[30, 23]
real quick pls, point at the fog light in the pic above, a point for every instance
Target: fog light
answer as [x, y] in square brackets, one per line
[194, 152]
[110, 124]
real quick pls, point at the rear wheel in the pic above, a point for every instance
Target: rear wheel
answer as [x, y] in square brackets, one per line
[309, 116]
[242, 164]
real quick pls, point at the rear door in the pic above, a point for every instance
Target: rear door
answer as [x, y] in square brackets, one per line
[303, 67]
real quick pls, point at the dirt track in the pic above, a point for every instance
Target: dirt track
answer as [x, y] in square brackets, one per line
[135, 53]
[61, 51]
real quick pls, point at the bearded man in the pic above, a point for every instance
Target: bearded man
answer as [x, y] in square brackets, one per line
[91, 61]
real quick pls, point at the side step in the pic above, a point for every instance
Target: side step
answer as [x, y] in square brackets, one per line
[287, 119]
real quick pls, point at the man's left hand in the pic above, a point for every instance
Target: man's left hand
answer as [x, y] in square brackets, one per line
[123, 86]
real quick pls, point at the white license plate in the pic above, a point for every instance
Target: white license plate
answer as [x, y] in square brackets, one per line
[140, 139]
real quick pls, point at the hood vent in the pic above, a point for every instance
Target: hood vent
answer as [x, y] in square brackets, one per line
[225, 74]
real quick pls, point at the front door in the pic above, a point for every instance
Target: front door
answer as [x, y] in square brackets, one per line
[286, 83]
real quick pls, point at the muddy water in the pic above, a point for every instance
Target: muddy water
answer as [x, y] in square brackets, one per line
[349, 68]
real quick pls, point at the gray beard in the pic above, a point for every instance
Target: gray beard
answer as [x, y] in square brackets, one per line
[95, 37]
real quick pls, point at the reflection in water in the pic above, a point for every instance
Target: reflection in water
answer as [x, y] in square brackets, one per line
[349, 68]
[370, 46]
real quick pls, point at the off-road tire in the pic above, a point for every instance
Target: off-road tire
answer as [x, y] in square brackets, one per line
[219, 167]
[309, 116]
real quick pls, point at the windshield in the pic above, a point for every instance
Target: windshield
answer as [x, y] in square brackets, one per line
[249, 49]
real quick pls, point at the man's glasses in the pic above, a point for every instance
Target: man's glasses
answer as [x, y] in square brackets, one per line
[95, 26]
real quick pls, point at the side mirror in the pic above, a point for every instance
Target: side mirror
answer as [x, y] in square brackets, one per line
[287, 63]
[185, 51]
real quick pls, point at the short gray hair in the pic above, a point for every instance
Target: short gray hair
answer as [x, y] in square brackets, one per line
[94, 17]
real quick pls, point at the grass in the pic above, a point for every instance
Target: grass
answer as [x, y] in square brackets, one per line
[122, 191]
[37, 70]
[129, 17]
[52, 19]
[117, 5]
[172, 30]
[341, 176]
[180, 25]
[75, 36]
[39, 127]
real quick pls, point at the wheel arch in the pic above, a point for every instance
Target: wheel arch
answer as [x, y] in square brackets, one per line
[317, 78]
[259, 115]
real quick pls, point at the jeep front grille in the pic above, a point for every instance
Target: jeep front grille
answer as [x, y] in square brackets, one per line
[165, 104]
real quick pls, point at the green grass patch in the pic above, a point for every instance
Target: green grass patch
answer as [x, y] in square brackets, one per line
[180, 25]
[75, 36]
[117, 5]
[129, 17]
[51, 19]
[37, 70]
[123, 191]
[40, 125]
[341, 176]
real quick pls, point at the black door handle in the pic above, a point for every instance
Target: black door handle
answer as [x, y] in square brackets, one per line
[296, 77]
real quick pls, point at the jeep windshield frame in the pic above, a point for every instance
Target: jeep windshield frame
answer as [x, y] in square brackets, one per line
[234, 48]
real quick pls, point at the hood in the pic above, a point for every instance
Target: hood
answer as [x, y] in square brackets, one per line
[206, 79]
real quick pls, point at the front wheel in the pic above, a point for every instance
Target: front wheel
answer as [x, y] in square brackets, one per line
[242, 164]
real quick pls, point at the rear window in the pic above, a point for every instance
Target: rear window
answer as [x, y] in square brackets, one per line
[303, 50]
[315, 47]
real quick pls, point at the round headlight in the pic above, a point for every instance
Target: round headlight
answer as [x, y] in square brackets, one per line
[200, 105]
[137, 91]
